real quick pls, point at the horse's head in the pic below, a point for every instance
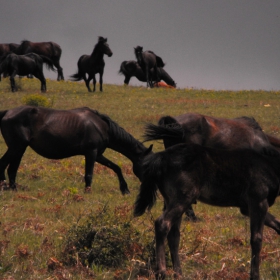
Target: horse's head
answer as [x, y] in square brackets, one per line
[104, 46]
[138, 53]
[137, 164]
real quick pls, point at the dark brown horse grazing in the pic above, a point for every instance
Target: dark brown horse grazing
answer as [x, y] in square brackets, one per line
[148, 60]
[213, 132]
[132, 69]
[7, 48]
[23, 65]
[185, 173]
[93, 64]
[49, 49]
[58, 134]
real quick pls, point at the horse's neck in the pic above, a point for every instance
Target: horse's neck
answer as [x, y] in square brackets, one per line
[164, 76]
[96, 55]
[129, 147]
[274, 141]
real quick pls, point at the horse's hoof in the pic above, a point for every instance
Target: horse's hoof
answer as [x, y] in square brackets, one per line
[87, 189]
[124, 192]
[4, 186]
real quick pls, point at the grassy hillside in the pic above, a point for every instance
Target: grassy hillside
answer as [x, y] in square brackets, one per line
[51, 229]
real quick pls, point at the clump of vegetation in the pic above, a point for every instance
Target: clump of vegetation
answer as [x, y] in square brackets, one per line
[36, 100]
[109, 241]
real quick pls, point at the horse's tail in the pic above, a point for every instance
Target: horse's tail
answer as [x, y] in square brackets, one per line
[48, 62]
[152, 171]
[160, 62]
[2, 114]
[56, 50]
[166, 130]
[122, 68]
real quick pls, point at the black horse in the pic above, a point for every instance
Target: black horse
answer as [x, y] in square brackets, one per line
[58, 134]
[185, 173]
[148, 60]
[132, 69]
[93, 64]
[48, 49]
[6, 49]
[213, 132]
[23, 65]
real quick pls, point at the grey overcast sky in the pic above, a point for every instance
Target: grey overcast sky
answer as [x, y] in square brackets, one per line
[210, 44]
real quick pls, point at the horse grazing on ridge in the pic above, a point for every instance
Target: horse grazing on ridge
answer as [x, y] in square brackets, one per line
[7, 48]
[48, 49]
[185, 173]
[132, 69]
[57, 134]
[24, 65]
[148, 60]
[212, 132]
[93, 64]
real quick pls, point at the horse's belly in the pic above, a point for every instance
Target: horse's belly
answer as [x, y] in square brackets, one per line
[219, 197]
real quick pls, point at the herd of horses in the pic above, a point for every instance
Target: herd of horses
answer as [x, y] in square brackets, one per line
[221, 162]
[27, 59]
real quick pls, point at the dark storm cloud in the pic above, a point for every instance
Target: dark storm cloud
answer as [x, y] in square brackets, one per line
[215, 44]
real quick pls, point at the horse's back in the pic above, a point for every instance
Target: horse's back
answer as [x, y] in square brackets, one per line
[54, 133]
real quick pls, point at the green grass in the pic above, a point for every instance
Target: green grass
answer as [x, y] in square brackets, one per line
[40, 222]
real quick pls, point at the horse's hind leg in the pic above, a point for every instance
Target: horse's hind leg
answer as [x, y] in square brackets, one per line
[270, 220]
[106, 162]
[59, 70]
[168, 226]
[258, 210]
[87, 80]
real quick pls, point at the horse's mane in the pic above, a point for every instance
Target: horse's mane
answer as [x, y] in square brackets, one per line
[250, 121]
[118, 132]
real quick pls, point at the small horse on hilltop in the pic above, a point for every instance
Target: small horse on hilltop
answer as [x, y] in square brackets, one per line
[7, 48]
[57, 134]
[93, 64]
[148, 60]
[212, 132]
[185, 173]
[23, 65]
[48, 49]
[132, 69]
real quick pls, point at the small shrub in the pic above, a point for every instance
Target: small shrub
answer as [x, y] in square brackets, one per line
[107, 241]
[36, 100]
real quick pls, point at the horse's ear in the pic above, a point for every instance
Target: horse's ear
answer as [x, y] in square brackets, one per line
[105, 40]
[205, 126]
[149, 150]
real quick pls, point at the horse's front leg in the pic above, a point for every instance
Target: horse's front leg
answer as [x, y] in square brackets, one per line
[12, 80]
[148, 77]
[90, 159]
[126, 80]
[257, 212]
[13, 166]
[94, 82]
[106, 162]
[43, 85]
[101, 81]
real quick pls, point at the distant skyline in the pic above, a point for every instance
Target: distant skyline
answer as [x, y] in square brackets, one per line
[217, 44]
